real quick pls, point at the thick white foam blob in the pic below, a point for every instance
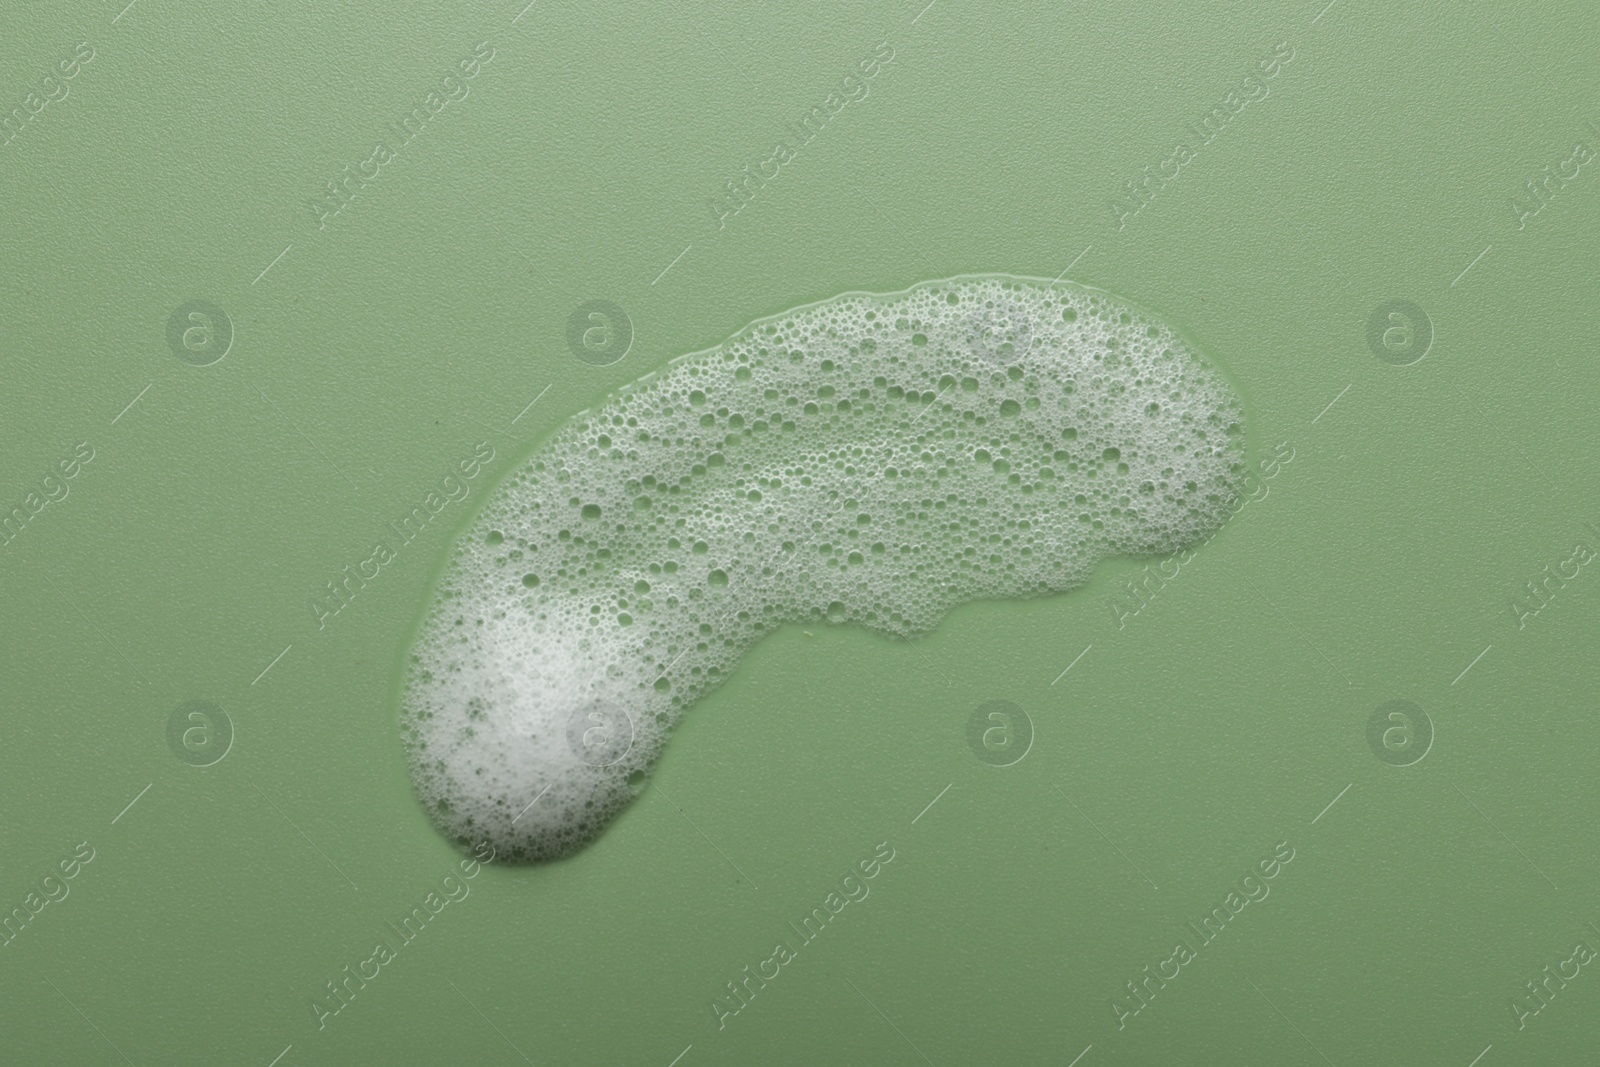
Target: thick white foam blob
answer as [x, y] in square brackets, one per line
[873, 459]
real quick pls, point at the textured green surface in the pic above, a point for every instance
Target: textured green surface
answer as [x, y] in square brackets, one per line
[377, 352]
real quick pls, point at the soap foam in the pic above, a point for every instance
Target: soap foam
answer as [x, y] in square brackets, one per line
[872, 459]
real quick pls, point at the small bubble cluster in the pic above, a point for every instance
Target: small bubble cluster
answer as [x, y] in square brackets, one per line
[871, 459]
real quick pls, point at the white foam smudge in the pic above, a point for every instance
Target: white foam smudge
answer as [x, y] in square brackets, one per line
[872, 459]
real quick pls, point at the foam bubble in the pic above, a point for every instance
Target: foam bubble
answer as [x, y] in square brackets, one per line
[871, 459]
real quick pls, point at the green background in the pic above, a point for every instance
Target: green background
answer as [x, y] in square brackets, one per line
[376, 352]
